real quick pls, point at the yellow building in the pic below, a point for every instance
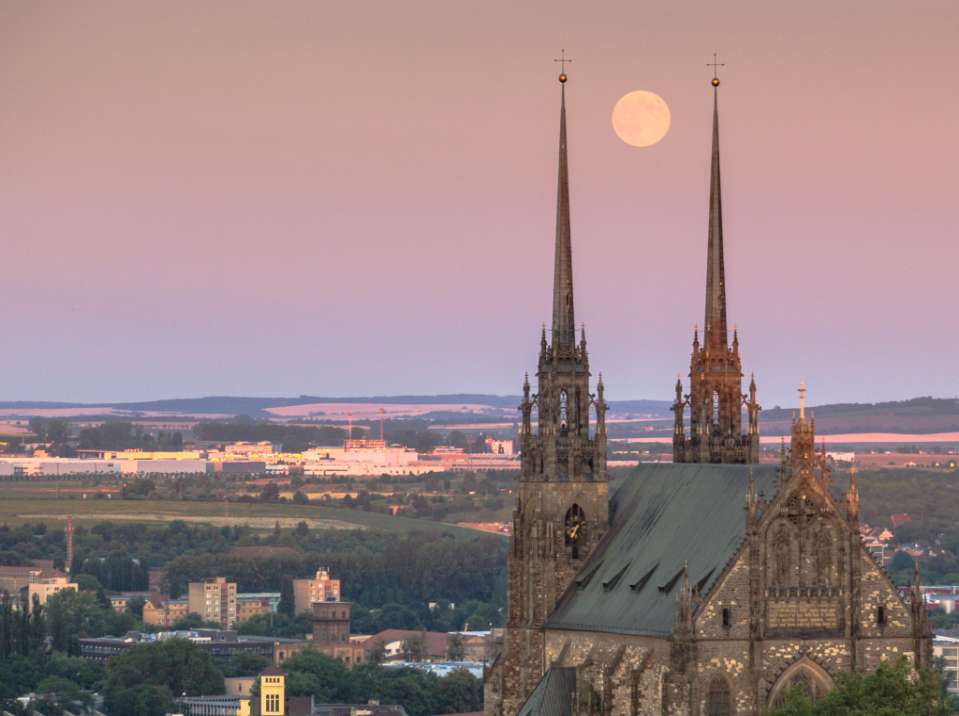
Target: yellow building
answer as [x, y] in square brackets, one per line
[45, 588]
[168, 613]
[322, 588]
[42, 581]
[151, 455]
[247, 608]
[272, 692]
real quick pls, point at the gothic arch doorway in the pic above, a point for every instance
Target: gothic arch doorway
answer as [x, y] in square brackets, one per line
[719, 700]
[807, 675]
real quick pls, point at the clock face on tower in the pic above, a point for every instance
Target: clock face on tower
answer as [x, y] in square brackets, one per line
[575, 526]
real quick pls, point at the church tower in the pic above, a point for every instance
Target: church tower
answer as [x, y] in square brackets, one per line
[715, 397]
[562, 506]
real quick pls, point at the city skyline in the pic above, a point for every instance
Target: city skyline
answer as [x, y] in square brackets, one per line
[223, 212]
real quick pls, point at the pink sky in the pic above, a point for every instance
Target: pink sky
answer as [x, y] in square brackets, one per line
[358, 198]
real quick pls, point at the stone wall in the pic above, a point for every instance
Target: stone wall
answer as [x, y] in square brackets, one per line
[624, 672]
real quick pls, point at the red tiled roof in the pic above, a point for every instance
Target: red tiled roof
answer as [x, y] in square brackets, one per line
[899, 518]
[434, 642]
[27, 571]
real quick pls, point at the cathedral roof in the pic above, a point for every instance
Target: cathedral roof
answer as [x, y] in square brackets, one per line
[664, 518]
[552, 695]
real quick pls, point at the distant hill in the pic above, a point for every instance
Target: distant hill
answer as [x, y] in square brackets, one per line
[918, 415]
[254, 407]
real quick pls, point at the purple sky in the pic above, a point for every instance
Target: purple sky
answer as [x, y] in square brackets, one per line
[358, 197]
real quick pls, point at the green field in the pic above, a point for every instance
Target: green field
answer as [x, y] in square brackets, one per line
[19, 505]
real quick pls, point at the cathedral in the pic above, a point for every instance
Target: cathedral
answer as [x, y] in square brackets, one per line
[705, 587]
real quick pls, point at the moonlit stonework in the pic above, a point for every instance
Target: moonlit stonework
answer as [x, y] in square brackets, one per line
[641, 118]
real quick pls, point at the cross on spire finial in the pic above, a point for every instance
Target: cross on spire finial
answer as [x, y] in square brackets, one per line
[563, 59]
[715, 64]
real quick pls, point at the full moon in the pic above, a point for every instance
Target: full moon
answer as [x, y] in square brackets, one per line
[641, 118]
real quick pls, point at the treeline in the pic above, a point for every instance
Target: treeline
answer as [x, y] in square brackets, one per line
[390, 578]
[116, 572]
[151, 545]
[40, 647]
[126, 436]
[375, 567]
[293, 438]
[111, 435]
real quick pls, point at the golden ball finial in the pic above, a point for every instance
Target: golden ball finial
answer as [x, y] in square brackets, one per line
[715, 82]
[562, 77]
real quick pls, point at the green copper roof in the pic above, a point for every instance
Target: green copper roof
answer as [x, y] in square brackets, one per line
[663, 517]
[553, 695]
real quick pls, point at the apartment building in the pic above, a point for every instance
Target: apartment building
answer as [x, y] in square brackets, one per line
[214, 600]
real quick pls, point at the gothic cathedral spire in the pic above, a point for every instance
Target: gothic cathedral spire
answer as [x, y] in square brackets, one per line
[715, 331]
[562, 505]
[564, 323]
[715, 398]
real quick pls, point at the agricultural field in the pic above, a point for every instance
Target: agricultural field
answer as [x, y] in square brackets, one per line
[53, 502]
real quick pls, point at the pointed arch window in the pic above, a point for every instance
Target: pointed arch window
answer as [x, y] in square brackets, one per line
[805, 674]
[563, 409]
[824, 557]
[716, 407]
[781, 547]
[718, 698]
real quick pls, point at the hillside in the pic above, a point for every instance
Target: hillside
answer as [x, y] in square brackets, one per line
[628, 417]
[918, 415]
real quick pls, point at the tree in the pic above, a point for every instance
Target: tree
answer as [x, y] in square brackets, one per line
[18, 675]
[245, 663]
[72, 616]
[62, 693]
[287, 603]
[87, 583]
[142, 700]
[413, 648]
[135, 607]
[398, 616]
[378, 653]
[310, 672]
[195, 621]
[58, 431]
[459, 692]
[890, 690]
[455, 649]
[173, 666]
[38, 426]
[902, 562]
